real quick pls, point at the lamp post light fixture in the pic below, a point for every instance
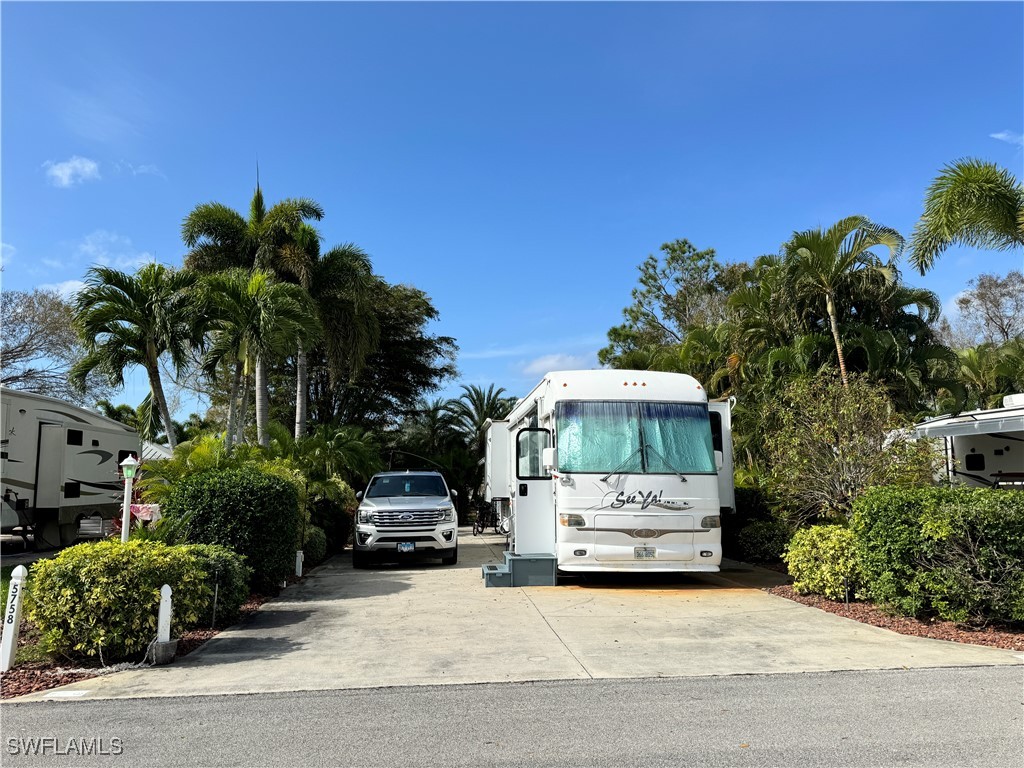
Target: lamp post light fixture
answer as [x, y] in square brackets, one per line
[128, 468]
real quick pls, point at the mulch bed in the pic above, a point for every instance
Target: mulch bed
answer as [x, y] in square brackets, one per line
[996, 636]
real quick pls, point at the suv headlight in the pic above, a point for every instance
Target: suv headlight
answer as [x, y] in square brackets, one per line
[364, 515]
[447, 514]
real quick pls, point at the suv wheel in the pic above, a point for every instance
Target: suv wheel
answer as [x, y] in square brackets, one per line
[451, 559]
[360, 559]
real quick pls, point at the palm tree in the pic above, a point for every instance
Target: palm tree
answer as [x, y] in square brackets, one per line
[339, 282]
[972, 203]
[220, 238]
[252, 318]
[471, 410]
[126, 320]
[825, 260]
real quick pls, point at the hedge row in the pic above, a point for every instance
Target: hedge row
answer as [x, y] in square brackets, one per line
[955, 553]
[102, 598]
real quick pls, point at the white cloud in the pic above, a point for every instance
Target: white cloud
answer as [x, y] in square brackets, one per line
[1009, 137]
[67, 289]
[72, 171]
[112, 250]
[147, 169]
[7, 252]
[546, 363]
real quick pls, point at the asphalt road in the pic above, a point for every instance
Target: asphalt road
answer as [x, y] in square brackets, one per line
[918, 717]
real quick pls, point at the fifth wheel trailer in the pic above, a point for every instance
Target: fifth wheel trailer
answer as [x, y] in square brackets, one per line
[58, 464]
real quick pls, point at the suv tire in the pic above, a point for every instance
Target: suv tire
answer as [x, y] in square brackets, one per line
[451, 559]
[360, 559]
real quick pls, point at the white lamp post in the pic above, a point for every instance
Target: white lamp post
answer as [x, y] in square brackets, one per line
[128, 468]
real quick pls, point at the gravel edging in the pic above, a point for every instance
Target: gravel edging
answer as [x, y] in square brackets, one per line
[994, 636]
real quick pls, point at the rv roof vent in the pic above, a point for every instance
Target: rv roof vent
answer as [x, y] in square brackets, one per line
[1013, 401]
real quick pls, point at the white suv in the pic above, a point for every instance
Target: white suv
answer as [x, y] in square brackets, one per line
[406, 513]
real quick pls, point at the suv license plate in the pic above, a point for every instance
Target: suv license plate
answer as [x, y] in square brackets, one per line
[407, 546]
[644, 553]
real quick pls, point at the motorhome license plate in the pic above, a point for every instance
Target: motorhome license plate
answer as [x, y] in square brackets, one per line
[407, 546]
[644, 553]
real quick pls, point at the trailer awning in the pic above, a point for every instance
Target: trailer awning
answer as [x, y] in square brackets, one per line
[974, 423]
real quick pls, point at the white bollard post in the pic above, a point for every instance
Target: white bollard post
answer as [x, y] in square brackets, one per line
[12, 619]
[300, 558]
[163, 622]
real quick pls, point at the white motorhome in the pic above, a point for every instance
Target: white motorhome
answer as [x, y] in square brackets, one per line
[60, 464]
[983, 448]
[612, 471]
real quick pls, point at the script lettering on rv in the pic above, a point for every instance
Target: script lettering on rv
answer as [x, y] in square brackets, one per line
[645, 499]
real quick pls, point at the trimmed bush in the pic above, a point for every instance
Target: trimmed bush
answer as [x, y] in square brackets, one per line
[957, 553]
[335, 522]
[823, 559]
[750, 506]
[249, 511]
[763, 541]
[102, 598]
[315, 547]
[227, 577]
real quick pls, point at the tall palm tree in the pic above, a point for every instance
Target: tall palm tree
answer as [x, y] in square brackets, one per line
[339, 282]
[471, 410]
[252, 317]
[126, 320]
[220, 238]
[824, 260]
[973, 203]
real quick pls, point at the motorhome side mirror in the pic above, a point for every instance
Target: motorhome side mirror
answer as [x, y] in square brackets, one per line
[359, 495]
[547, 458]
[719, 460]
[454, 493]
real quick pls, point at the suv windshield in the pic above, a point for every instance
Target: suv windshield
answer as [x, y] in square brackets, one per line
[405, 485]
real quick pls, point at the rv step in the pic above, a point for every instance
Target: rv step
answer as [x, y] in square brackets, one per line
[496, 576]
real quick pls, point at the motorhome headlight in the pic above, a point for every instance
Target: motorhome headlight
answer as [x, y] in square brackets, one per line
[572, 521]
[711, 521]
[447, 513]
[364, 515]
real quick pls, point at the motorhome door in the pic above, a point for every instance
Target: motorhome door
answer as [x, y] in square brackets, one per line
[534, 504]
[50, 466]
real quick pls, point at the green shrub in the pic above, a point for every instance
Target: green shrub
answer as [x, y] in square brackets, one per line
[763, 541]
[102, 598]
[957, 553]
[315, 547]
[750, 506]
[249, 511]
[336, 523]
[227, 577]
[823, 559]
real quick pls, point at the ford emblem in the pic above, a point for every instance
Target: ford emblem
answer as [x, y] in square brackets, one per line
[405, 517]
[645, 533]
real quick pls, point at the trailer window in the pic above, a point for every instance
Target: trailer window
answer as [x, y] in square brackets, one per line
[74, 437]
[634, 437]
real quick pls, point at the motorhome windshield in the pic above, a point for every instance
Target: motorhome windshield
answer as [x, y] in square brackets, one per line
[635, 437]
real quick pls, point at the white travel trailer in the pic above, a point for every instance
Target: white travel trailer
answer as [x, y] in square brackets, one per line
[60, 464]
[982, 448]
[611, 471]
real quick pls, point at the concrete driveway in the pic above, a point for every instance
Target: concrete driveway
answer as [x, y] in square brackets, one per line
[424, 624]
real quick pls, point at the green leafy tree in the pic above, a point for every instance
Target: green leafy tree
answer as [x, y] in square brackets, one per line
[471, 410]
[127, 320]
[972, 203]
[823, 260]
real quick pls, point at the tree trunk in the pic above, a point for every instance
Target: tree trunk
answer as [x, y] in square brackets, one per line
[301, 392]
[243, 410]
[161, 403]
[262, 403]
[229, 436]
[831, 307]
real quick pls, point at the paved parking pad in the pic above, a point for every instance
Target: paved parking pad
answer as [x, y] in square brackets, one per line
[425, 624]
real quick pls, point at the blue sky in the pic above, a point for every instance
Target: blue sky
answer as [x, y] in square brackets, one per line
[515, 161]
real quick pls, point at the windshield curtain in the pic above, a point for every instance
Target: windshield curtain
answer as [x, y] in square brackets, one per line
[634, 437]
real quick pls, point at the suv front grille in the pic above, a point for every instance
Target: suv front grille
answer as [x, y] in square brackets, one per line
[407, 518]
